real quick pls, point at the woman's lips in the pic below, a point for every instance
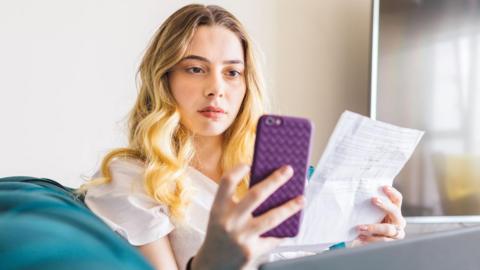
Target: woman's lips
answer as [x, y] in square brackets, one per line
[212, 114]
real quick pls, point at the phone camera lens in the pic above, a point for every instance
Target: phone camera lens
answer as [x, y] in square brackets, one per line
[270, 121]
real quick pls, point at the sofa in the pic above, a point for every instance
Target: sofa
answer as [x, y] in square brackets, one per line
[44, 225]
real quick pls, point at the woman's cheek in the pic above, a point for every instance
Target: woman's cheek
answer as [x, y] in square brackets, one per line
[239, 99]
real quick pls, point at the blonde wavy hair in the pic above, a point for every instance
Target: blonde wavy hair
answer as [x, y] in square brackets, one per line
[156, 136]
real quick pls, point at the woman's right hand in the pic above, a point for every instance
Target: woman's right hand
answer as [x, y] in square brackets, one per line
[233, 238]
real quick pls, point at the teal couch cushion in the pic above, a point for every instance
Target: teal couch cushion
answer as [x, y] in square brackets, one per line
[44, 226]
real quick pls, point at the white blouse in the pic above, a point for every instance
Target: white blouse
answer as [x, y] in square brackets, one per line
[124, 205]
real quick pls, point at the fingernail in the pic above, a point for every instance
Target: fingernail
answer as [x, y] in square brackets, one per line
[363, 228]
[362, 237]
[287, 170]
[377, 201]
[363, 234]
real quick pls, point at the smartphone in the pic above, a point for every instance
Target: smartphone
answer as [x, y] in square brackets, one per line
[282, 140]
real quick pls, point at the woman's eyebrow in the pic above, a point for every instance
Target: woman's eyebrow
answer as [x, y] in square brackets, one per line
[203, 59]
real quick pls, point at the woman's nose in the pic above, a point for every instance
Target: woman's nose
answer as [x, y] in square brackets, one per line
[215, 86]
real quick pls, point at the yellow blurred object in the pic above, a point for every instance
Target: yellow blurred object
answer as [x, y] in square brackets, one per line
[459, 183]
[462, 176]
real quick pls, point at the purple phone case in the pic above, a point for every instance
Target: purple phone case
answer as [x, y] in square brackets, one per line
[282, 143]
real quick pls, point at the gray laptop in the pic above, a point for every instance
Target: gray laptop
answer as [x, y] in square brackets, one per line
[457, 249]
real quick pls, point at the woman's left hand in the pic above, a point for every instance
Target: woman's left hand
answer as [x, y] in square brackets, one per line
[392, 227]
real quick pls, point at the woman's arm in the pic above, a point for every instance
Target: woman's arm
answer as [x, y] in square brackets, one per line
[159, 253]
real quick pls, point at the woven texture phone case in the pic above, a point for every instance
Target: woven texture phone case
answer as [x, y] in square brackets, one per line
[285, 142]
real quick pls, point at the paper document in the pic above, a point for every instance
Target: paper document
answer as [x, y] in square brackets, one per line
[361, 156]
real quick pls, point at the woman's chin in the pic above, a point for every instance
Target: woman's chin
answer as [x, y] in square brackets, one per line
[211, 131]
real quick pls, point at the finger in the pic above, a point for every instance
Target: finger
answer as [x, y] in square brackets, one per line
[381, 230]
[373, 239]
[276, 216]
[394, 195]
[229, 183]
[392, 210]
[261, 191]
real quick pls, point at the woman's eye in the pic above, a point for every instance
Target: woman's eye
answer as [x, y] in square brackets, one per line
[233, 73]
[195, 70]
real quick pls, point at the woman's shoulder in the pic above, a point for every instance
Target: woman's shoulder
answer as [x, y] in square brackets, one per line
[124, 197]
[125, 170]
[126, 175]
[128, 165]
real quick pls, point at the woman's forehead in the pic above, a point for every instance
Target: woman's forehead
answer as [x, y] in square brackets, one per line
[217, 44]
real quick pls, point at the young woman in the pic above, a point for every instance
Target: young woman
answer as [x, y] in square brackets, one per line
[179, 190]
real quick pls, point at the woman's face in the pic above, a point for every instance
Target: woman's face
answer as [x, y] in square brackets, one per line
[208, 84]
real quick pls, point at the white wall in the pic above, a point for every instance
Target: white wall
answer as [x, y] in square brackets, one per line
[67, 72]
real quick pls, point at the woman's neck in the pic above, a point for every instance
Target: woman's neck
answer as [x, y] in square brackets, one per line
[208, 152]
